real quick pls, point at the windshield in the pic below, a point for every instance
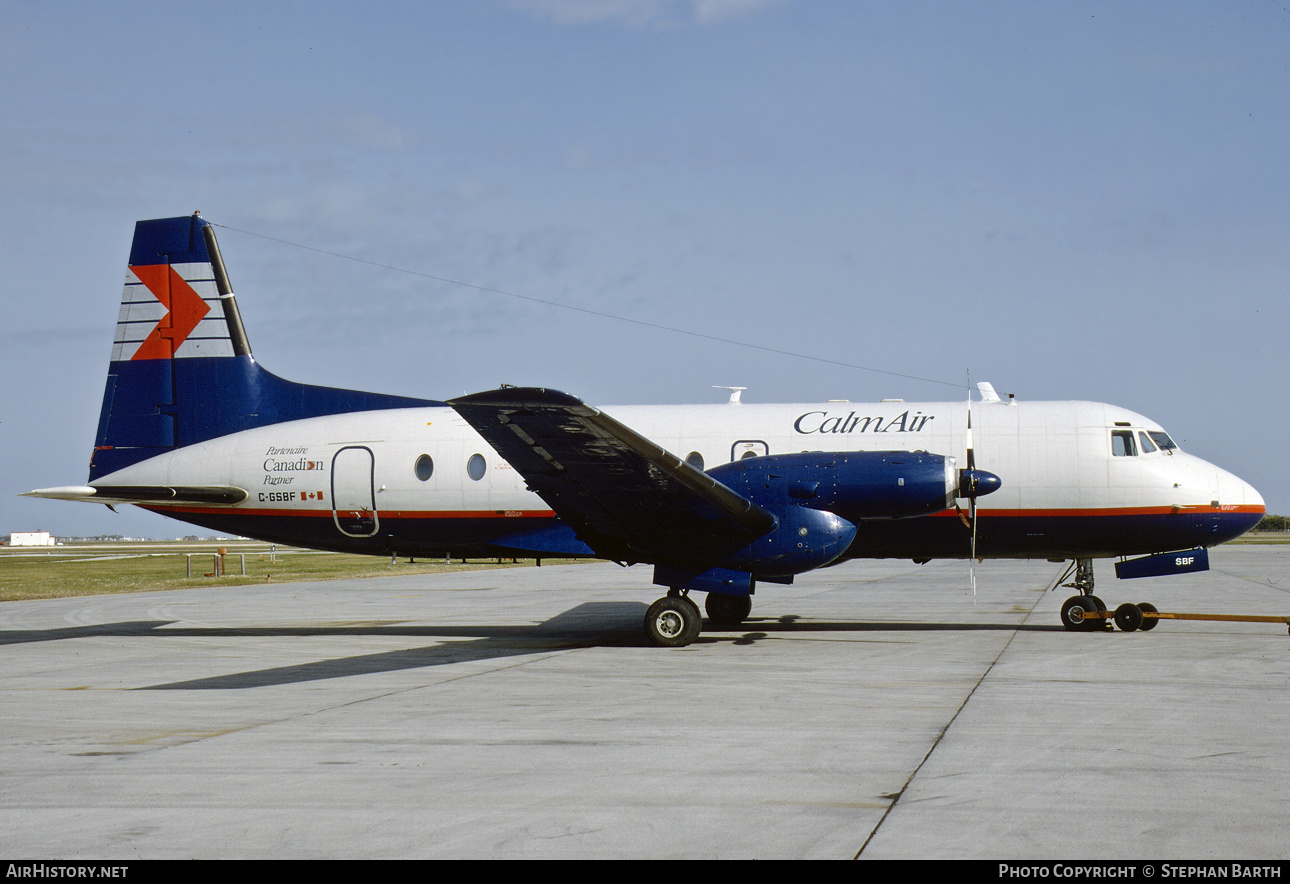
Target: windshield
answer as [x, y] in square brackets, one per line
[1162, 440]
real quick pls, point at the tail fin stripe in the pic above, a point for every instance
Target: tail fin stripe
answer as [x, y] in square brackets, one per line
[184, 309]
[146, 313]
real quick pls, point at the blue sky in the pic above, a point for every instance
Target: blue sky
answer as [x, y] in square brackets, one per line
[1070, 200]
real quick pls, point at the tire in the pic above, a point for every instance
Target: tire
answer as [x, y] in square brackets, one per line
[1074, 607]
[672, 622]
[1103, 623]
[727, 610]
[1148, 623]
[1128, 617]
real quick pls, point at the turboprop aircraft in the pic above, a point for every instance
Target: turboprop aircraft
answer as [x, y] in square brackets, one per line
[717, 498]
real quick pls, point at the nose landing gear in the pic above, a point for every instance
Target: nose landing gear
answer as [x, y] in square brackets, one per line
[1088, 613]
[1075, 607]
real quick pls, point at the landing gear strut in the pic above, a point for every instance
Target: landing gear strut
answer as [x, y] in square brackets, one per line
[1074, 608]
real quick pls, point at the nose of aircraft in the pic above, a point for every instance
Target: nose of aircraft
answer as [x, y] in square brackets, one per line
[1253, 497]
[1234, 491]
[1240, 505]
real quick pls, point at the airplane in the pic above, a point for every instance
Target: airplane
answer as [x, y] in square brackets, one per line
[718, 498]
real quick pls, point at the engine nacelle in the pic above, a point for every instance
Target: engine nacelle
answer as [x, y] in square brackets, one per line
[804, 539]
[817, 497]
[853, 484]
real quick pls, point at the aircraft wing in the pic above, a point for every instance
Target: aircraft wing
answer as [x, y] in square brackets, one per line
[627, 498]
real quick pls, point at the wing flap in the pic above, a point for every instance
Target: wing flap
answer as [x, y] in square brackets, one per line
[626, 497]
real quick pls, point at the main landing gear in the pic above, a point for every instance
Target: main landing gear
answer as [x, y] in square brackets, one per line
[1128, 616]
[727, 610]
[674, 621]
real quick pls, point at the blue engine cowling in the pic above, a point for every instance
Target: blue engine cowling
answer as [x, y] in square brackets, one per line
[803, 540]
[852, 484]
[817, 497]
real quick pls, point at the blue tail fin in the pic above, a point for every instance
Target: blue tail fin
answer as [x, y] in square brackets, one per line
[182, 370]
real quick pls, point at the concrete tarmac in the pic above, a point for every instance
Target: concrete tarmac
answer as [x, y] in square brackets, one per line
[874, 710]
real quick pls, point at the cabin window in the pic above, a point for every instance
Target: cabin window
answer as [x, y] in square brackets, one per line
[475, 467]
[1122, 443]
[1147, 446]
[424, 467]
[695, 460]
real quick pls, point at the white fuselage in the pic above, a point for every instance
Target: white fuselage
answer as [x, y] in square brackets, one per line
[1056, 461]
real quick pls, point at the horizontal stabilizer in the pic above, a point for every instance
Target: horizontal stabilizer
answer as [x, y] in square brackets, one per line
[627, 498]
[207, 495]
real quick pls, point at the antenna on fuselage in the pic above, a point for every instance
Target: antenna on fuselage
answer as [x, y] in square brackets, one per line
[735, 393]
[987, 392]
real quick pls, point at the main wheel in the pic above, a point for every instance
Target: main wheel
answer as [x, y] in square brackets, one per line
[672, 622]
[1128, 617]
[1148, 622]
[1073, 610]
[727, 610]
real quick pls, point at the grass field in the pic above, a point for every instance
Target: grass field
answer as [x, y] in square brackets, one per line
[95, 569]
[92, 569]
[1264, 537]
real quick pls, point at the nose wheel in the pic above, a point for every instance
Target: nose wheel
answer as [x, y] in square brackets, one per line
[1074, 609]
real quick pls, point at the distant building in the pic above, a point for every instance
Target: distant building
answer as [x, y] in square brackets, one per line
[31, 538]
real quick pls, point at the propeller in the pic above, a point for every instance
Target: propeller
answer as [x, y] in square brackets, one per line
[973, 482]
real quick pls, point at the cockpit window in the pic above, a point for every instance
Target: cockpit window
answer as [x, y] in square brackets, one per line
[1122, 443]
[1147, 446]
[1163, 441]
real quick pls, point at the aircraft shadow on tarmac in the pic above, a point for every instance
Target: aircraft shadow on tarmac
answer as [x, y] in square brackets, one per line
[593, 624]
